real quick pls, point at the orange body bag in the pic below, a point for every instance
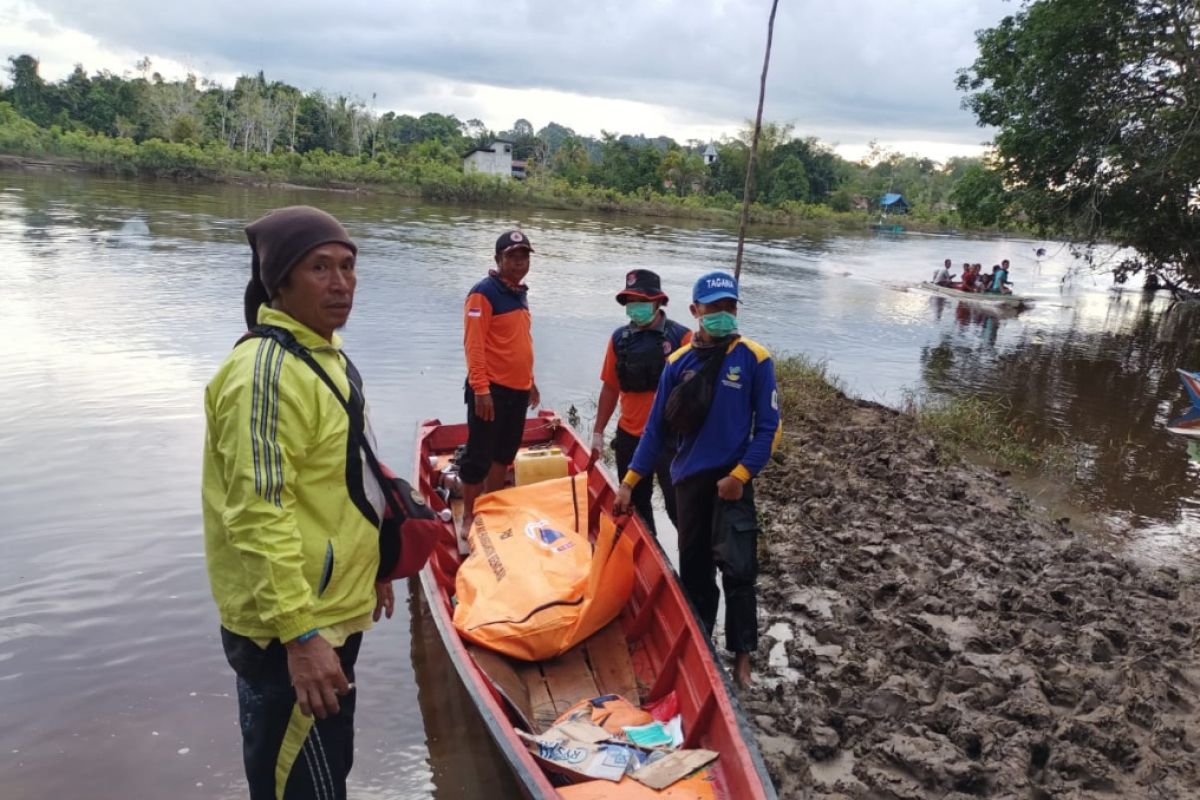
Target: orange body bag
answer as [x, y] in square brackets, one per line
[532, 587]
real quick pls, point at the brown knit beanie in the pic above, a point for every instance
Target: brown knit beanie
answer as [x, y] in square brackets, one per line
[278, 240]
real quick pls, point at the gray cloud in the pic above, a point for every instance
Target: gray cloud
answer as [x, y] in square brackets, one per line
[840, 70]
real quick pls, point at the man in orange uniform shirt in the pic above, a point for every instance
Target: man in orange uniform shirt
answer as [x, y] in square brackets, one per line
[500, 386]
[633, 363]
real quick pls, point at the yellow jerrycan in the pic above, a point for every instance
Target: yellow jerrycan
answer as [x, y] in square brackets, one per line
[536, 464]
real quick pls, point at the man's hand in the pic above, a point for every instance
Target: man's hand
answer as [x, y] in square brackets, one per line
[597, 448]
[316, 676]
[385, 600]
[484, 408]
[535, 397]
[730, 488]
[624, 502]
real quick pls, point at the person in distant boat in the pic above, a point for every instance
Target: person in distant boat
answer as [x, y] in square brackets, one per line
[999, 283]
[498, 340]
[968, 269]
[284, 490]
[942, 276]
[985, 278]
[717, 397]
[633, 363]
[969, 278]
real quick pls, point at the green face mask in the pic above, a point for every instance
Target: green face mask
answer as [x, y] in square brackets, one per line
[640, 313]
[719, 325]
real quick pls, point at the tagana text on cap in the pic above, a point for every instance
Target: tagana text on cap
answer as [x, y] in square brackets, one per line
[713, 287]
[512, 240]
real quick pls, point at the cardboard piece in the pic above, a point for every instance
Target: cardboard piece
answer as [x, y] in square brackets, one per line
[581, 731]
[662, 772]
[579, 760]
[507, 681]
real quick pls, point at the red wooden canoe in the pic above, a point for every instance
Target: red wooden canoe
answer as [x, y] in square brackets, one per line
[656, 637]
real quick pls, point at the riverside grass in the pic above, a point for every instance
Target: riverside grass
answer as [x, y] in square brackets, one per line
[972, 427]
[981, 426]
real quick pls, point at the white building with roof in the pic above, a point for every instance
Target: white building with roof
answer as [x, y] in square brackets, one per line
[495, 159]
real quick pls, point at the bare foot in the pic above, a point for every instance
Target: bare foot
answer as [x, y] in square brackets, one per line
[464, 546]
[741, 670]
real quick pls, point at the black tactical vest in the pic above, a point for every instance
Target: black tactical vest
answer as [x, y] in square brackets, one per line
[642, 354]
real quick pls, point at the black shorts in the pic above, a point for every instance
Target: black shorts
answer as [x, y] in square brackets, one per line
[497, 441]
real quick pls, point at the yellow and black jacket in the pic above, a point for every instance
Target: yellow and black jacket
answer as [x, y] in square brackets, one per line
[290, 510]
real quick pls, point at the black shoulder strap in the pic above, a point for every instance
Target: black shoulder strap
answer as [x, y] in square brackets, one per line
[355, 406]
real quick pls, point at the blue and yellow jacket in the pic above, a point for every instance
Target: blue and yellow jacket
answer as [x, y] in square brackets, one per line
[497, 336]
[742, 427]
[289, 544]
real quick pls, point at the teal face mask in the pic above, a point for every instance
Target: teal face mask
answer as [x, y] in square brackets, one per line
[719, 325]
[640, 313]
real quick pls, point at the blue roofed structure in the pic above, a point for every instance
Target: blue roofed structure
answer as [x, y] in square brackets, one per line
[893, 203]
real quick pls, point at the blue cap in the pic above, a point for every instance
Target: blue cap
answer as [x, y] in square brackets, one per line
[713, 287]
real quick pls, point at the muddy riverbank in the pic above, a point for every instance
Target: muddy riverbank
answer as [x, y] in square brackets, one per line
[930, 634]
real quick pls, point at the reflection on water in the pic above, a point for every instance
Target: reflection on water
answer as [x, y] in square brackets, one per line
[120, 299]
[466, 763]
[1107, 392]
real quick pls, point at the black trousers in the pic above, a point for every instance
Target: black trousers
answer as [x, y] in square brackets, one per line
[311, 756]
[493, 441]
[716, 533]
[624, 446]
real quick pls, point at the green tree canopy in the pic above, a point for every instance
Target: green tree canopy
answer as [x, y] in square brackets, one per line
[29, 94]
[789, 181]
[980, 196]
[1097, 103]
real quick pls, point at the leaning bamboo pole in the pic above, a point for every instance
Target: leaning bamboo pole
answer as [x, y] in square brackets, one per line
[750, 166]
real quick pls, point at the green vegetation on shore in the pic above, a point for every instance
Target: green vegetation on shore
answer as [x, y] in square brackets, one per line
[971, 426]
[415, 176]
[805, 388]
[983, 427]
[270, 132]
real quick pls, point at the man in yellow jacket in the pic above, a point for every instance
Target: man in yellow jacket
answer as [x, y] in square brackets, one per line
[291, 513]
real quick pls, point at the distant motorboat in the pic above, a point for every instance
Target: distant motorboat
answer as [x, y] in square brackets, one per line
[986, 298]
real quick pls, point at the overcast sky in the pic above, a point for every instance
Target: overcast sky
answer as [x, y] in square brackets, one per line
[847, 71]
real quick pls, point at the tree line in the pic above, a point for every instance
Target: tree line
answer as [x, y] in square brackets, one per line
[272, 118]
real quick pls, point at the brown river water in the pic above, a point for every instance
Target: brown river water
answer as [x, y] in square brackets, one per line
[121, 298]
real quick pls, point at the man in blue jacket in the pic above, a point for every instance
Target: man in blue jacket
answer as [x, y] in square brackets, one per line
[721, 448]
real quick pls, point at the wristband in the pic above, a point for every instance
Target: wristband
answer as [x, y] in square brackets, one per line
[304, 637]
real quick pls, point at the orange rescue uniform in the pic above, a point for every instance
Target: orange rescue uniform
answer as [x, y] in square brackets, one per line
[498, 336]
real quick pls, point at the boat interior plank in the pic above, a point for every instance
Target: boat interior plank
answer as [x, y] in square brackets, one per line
[570, 679]
[608, 653]
[539, 697]
[508, 682]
